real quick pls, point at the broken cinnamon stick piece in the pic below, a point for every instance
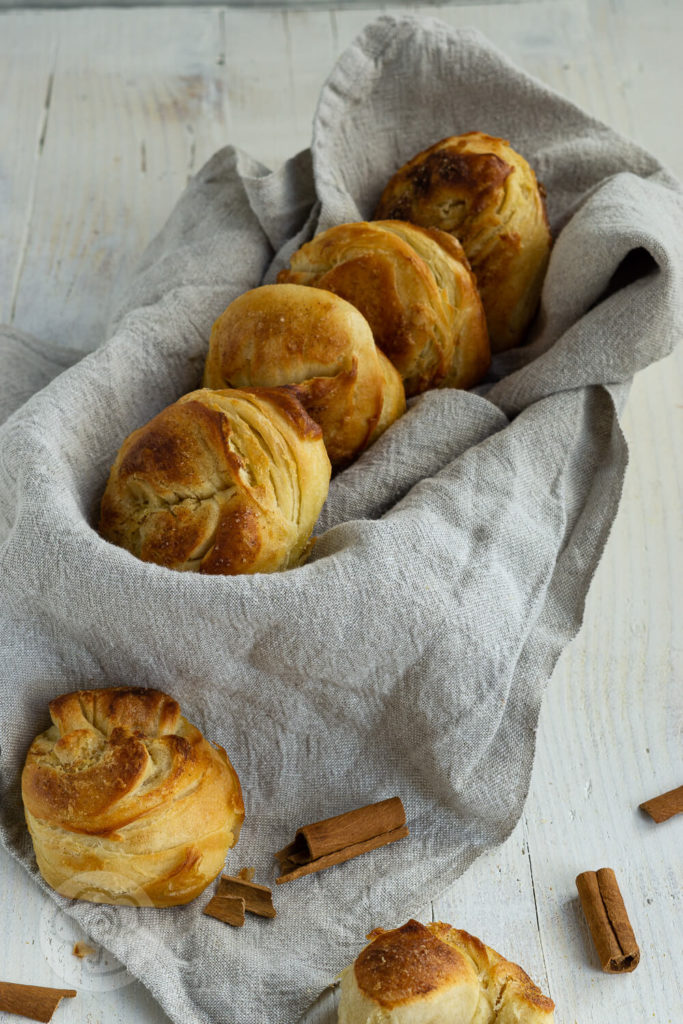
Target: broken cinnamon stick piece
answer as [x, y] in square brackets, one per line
[663, 807]
[291, 871]
[228, 909]
[608, 921]
[258, 899]
[247, 874]
[82, 949]
[32, 1001]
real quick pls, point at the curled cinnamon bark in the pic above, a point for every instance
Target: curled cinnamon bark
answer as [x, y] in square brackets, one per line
[335, 840]
[293, 871]
[608, 921]
[32, 1001]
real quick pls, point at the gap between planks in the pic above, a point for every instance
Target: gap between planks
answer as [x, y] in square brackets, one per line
[28, 220]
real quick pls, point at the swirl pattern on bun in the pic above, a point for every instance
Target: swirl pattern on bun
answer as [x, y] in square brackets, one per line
[126, 802]
[289, 334]
[415, 289]
[478, 188]
[222, 482]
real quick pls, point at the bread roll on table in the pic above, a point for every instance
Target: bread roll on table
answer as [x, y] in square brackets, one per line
[223, 482]
[436, 974]
[289, 334]
[416, 290]
[479, 189]
[126, 802]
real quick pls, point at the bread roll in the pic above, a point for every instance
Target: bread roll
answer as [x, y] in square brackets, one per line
[289, 334]
[436, 974]
[483, 192]
[126, 802]
[220, 482]
[415, 289]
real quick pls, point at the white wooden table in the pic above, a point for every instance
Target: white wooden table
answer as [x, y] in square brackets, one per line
[103, 116]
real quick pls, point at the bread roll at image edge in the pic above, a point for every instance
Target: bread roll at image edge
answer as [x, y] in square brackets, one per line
[436, 974]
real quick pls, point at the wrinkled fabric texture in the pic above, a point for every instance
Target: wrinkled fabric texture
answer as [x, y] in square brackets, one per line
[409, 656]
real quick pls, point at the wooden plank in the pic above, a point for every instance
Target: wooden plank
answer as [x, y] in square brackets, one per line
[127, 125]
[276, 63]
[27, 59]
[639, 48]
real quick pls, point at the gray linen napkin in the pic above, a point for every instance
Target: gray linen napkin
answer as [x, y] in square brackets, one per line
[410, 655]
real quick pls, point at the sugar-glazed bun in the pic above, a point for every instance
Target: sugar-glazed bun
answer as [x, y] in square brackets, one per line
[415, 289]
[126, 802]
[220, 482]
[483, 192]
[436, 974]
[290, 334]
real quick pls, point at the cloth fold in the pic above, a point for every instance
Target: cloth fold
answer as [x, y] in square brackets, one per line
[409, 656]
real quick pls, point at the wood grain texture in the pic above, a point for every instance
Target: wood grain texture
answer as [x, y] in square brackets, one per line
[101, 132]
[26, 74]
[125, 127]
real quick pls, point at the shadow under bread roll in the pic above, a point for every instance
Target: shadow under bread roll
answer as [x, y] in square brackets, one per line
[289, 334]
[436, 974]
[220, 482]
[478, 188]
[126, 802]
[415, 289]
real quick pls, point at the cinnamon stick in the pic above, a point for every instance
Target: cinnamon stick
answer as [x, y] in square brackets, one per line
[608, 921]
[258, 899]
[292, 870]
[228, 909]
[663, 807]
[332, 834]
[32, 1001]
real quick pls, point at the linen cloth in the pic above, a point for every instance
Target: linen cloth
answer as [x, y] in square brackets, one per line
[409, 656]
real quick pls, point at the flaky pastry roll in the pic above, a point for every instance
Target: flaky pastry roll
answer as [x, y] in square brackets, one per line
[220, 482]
[415, 289]
[436, 974]
[484, 193]
[126, 802]
[289, 334]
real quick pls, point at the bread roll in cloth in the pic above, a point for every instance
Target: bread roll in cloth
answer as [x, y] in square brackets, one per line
[220, 482]
[290, 334]
[416, 290]
[486, 194]
[436, 974]
[126, 802]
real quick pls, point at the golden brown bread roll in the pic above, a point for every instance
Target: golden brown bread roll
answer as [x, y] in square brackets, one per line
[436, 974]
[483, 192]
[415, 289]
[126, 802]
[288, 334]
[220, 482]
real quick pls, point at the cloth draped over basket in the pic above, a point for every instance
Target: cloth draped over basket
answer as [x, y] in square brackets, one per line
[410, 655]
